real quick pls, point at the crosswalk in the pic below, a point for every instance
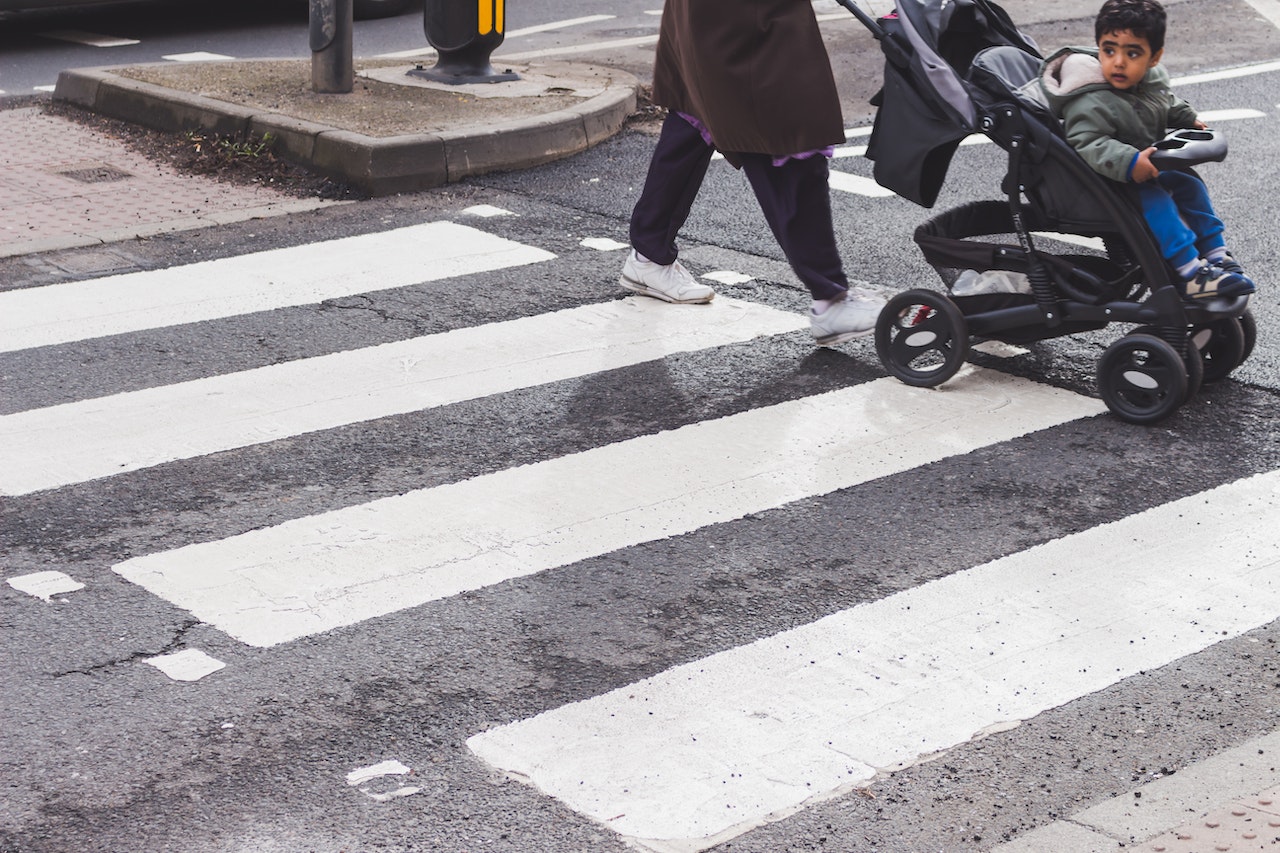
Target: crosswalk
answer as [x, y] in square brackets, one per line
[715, 745]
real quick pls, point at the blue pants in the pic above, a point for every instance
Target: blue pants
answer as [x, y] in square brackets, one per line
[1177, 209]
[794, 197]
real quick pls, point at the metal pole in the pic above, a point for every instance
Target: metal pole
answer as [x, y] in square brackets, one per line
[332, 65]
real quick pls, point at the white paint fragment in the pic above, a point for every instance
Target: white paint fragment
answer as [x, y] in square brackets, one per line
[847, 183]
[1073, 240]
[186, 665]
[45, 584]
[89, 39]
[1212, 117]
[1000, 349]
[603, 244]
[728, 277]
[43, 88]
[486, 211]
[391, 767]
[195, 56]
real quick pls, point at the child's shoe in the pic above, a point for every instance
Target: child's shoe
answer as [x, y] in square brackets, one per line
[1211, 281]
[1230, 264]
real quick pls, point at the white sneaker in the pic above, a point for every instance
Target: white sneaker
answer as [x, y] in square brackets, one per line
[851, 317]
[671, 283]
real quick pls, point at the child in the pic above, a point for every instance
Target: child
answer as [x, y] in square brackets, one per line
[1115, 104]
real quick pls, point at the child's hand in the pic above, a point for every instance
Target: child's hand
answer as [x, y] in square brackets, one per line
[1201, 125]
[1143, 169]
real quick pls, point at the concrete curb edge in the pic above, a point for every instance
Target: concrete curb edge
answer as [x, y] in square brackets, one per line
[374, 165]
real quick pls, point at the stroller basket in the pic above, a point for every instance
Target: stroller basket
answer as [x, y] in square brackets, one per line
[947, 243]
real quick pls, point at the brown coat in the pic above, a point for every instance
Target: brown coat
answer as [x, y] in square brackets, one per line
[755, 72]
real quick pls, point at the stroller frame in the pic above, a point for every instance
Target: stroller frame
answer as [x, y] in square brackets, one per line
[923, 336]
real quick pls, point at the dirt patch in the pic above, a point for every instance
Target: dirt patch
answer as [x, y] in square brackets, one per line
[235, 160]
[373, 108]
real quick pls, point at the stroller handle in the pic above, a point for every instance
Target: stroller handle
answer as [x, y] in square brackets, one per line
[867, 21]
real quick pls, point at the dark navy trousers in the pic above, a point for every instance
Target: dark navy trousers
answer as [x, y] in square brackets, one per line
[794, 197]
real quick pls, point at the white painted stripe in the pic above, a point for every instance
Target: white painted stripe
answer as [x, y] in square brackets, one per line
[559, 25]
[524, 31]
[186, 665]
[1269, 9]
[1211, 116]
[196, 56]
[1228, 74]
[847, 183]
[339, 568]
[90, 39]
[719, 745]
[74, 442]
[601, 46]
[262, 281]
[45, 584]
[1073, 239]
[51, 87]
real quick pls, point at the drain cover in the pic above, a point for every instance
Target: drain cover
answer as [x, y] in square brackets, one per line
[99, 173]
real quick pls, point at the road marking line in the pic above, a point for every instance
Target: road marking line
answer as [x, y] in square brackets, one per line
[722, 744]
[314, 574]
[1228, 74]
[186, 665]
[559, 25]
[262, 281]
[640, 41]
[1211, 116]
[1269, 9]
[90, 39]
[45, 584]
[88, 439]
[196, 56]
[524, 31]
[849, 183]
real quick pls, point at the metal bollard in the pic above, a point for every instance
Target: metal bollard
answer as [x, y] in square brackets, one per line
[464, 33]
[332, 65]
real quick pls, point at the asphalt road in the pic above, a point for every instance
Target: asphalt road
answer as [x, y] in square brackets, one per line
[101, 751]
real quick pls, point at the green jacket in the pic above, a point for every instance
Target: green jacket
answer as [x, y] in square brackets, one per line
[1109, 126]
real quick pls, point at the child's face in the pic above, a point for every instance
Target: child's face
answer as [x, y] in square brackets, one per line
[1126, 58]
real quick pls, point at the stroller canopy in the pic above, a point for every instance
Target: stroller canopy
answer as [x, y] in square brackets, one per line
[926, 105]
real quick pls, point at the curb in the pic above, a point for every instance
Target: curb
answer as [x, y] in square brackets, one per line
[377, 166]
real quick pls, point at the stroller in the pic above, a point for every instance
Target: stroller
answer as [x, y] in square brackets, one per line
[957, 67]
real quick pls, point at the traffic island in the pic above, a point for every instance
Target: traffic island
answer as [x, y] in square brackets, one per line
[395, 132]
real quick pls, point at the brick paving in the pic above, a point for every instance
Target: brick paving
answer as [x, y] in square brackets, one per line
[63, 185]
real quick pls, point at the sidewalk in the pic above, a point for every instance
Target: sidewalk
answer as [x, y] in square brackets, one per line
[65, 186]
[1230, 802]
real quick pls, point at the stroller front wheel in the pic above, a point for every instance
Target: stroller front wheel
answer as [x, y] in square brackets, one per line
[1225, 344]
[1142, 379]
[922, 338]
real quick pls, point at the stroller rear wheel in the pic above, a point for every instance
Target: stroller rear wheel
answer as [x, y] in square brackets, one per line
[922, 338]
[1142, 379]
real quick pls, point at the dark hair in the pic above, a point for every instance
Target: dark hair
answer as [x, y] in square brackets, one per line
[1144, 18]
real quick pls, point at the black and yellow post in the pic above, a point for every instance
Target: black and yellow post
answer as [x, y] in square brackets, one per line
[464, 34]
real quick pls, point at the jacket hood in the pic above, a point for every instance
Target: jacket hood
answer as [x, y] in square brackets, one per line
[1071, 71]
